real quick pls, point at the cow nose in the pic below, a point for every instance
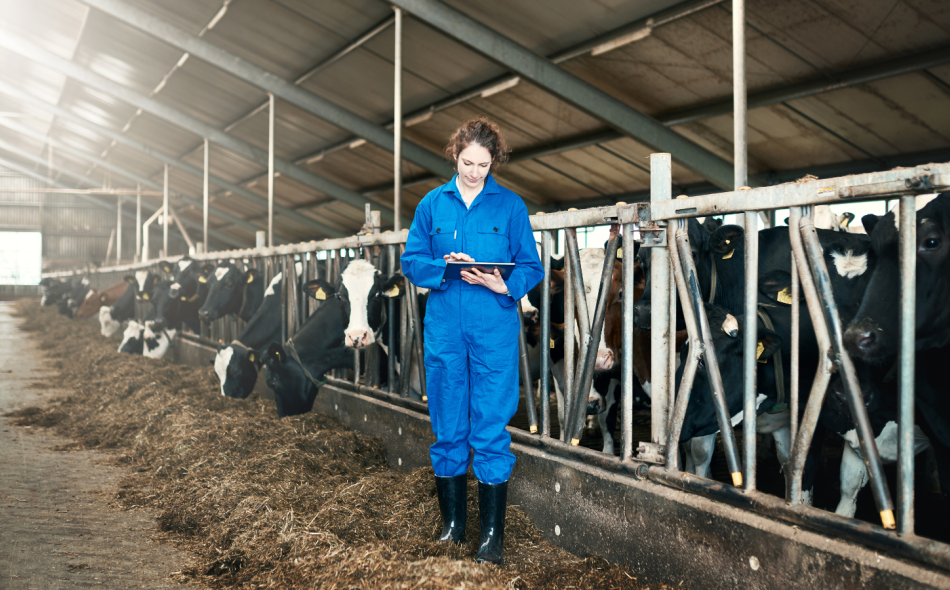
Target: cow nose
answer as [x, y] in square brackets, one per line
[173, 292]
[358, 339]
[203, 314]
[605, 360]
[863, 338]
[593, 407]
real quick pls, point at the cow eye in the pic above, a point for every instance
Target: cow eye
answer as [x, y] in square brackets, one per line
[930, 244]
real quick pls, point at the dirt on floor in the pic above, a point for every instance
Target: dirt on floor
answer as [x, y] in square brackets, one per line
[266, 502]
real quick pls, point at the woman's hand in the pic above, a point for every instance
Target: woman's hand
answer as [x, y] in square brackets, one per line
[492, 280]
[459, 256]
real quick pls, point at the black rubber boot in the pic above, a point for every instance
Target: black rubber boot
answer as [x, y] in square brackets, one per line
[492, 502]
[453, 503]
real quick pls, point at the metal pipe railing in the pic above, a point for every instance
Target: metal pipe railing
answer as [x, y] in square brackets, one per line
[545, 319]
[908, 312]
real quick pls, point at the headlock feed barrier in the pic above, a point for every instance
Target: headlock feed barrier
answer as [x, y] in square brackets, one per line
[661, 229]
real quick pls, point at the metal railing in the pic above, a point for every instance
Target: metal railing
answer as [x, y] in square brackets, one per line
[661, 225]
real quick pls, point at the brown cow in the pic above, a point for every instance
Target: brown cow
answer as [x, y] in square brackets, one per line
[96, 299]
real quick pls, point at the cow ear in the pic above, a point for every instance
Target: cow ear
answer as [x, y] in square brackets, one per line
[394, 287]
[275, 354]
[557, 281]
[777, 286]
[129, 279]
[769, 344]
[869, 221]
[318, 289]
[167, 267]
[253, 275]
[724, 240]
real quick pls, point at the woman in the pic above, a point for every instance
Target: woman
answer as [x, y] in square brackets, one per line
[471, 327]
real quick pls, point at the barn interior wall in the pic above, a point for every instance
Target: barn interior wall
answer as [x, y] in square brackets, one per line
[75, 232]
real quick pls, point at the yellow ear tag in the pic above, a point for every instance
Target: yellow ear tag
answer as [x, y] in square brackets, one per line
[729, 255]
[320, 295]
[250, 278]
[202, 280]
[145, 296]
[619, 253]
[183, 298]
[102, 298]
[758, 353]
[277, 354]
[250, 356]
[394, 292]
[784, 296]
[552, 342]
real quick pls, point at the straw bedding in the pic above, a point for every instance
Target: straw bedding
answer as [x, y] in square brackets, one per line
[264, 502]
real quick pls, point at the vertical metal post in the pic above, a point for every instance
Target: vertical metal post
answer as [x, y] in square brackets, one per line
[283, 306]
[908, 313]
[570, 342]
[749, 345]
[165, 217]
[739, 94]
[138, 221]
[526, 382]
[118, 231]
[391, 323]
[661, 331]
[796, 338]
[576, 290]
[545, 390]
[205, 191]
[270, 172]
[397, 122]
[626, 368]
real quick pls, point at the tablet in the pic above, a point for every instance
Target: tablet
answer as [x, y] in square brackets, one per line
[453, 269]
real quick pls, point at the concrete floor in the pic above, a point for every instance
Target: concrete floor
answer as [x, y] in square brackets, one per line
[57, 529]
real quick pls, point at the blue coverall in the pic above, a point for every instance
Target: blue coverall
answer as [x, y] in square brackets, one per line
[471, 333]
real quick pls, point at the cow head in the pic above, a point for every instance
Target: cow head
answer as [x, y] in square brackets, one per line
[144, 283]
[362, 291]
[157, 339]
[287, 380]
[166, 307]
[185, 284]
[225, 292]
[236, 368]
[728, 335]
[874, 335]
[592, 266]
[132, 338]
[109, 326]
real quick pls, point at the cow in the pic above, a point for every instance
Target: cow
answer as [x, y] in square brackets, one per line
[111, 318]
[236, 364]
[96, 299]
[232, 291]
[156, 339]
[132, 338]
[70, 302]
[874, 334]
[52, 290]
[295, 369]
[188, 288]
[144, 283]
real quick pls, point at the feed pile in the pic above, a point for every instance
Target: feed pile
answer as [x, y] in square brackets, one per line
[265, 502]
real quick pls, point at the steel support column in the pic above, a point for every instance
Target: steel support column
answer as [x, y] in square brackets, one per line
[570, 88]
[204, 195]
[397, 120]
[660, 329]
[270, 171]
[138, 223]
[165, 215]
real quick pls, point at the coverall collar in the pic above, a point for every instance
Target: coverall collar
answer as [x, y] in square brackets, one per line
[490, 187]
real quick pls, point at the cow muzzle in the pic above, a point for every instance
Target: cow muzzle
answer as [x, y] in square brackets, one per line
[865, 339]
[605, 360]
[358, 339]
[593, 406]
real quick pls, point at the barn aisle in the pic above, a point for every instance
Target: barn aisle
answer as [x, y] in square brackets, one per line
[57, 529]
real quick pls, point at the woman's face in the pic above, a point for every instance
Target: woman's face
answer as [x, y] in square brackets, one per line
[473, 165]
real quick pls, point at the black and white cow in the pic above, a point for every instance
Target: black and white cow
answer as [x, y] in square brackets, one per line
[319, 346]
[78, 292]
[132, 338]
[112, 317]
[189, 290]
[144, 284]
[232, 291]
[157, 337]
[236, 364]
[874, 335]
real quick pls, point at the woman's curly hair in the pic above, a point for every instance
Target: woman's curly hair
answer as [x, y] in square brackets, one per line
[484, 132]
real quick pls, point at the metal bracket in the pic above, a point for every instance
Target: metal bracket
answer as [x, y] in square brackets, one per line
[649, 452]
[652, 235]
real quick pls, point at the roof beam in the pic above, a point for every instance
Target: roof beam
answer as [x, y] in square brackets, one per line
[222, 238]
[36, 53]
[570, 88]
[288, 91]
[121, 171]
[165, 158]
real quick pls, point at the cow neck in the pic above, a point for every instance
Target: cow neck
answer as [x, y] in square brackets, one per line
[292, 349]
[776, 357]
[243, 298]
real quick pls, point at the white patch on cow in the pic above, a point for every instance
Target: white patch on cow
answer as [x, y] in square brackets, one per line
[919, 203]
[273, 283]
[592, 267]
[850, 265]
[730, 325]
[140, 278]
[109, 326]
[175, 286]
[421, 290]
[221, 271]
[84, 282]
[738, 417]
[526, 306]
[133, 330]
[646, 388]
[156, 344]
[89, 294]
[221, 362]
[358, 278]
[183, 264]
[298, 268]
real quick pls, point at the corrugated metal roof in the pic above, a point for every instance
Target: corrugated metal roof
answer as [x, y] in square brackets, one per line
[681, 64]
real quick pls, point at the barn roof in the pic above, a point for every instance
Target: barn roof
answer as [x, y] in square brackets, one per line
[832, 89]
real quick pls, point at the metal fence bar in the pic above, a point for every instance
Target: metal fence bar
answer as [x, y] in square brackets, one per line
[661, 329]
[526, 381]
[391, 322]
[749, 344]
[576, 290]
[626, 368]
[908, 302]
[545, 319]
[795, 354]
[570, 345]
